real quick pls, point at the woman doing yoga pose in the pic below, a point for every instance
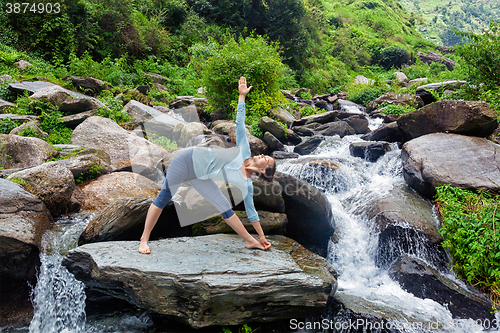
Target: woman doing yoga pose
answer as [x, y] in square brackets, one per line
[200, 166]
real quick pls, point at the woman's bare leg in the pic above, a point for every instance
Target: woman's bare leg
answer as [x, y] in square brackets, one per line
[250, 242]
[151, 219]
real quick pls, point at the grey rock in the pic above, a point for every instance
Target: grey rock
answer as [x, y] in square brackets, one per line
[87, 83]
[51, 182]
[397, 99]
[360, 79]
[422, 280]
[322, 118]
[309, 213]
[209, 280]
[4, 105]
[5, 78]
[309, 145]
[389, 133]
[418, 81]
[77, 105]
[72, 121]
[30, 125]
[474, 118]
[272, 126]
[462, 161]
[280, 155]
[22, 64]
[401, 77]
[430, 57]
[157, 78]
[340, 128]
[85, 166]
[189, 113]
[257, 146]
[142, 113]
[30, 87]
[359, 123]
[438, 87]
[283, 115]
[54, 94]
[272, 142]
[19, 117]
[22, 152]
[304, 130]
[23, 220]
[369, 150]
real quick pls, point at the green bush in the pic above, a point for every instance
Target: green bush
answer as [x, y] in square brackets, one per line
[397, 109]
[254, 58]
[7, 125]
[113, 108]
[364, 94]
[162, 142]
[306, 111]
[481, 55]
[471, 231]
[393, 56]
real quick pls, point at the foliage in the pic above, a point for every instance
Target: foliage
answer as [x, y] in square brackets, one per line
[74, 153]
[306, 111]
[93, 172]
[305, 95]
[396, 109]
[471, 231]
[7, 125]
[255, 129]
[30, 131]
[163, 142]
[364, 94]
[393, 56]
[113, 109]
[24, 184]
[52, 124]
[258, 61]
[481, 56]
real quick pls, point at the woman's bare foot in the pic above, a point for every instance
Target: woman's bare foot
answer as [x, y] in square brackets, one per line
[144, 248]
[254, 244]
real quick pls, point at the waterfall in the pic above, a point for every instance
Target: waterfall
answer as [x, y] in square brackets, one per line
[58, 298]
[361, 281]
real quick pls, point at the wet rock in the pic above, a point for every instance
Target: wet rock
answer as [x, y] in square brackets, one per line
[340, 128]
[271, 223]
[283, 115]
[209, 280]
[369, 150]
[100, 192]
[322, 118]
[309, 145]
[126, 150]
[473, 118]
[280, 155]
[21, 152]
[272, 142]
[388, 133]
[422, 280]
[51, 182]
[309, 213]
[397, 99]
[77, 105]
[303, 130]
[359, 123]
[462, 161]
[23, 220]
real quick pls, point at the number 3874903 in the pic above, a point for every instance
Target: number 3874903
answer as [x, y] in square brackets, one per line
[37, 8]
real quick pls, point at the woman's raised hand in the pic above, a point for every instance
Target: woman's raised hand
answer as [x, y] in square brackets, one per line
[242, 86]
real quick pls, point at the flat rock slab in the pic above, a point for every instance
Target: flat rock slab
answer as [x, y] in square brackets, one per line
[209, 280]
[32, 87]
[461, 161]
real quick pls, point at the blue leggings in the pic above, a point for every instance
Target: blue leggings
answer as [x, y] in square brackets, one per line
[181, 169]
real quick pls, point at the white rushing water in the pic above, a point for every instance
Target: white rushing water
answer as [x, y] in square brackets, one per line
[366, 286]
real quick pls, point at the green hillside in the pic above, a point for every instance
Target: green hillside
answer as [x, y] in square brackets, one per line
[436, 19]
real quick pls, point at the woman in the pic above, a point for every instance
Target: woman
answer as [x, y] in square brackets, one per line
[201, 165]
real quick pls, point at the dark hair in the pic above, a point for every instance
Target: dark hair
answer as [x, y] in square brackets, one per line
[269, 171]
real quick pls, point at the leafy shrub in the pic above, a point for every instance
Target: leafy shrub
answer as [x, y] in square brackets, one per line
[305, 95]
[52, 124]
[397, 109]
[471, 231]
[366, 93]
[30, 131]
[7, 125]
[163, 142]
[113, 109]
[306, 111]
[481, 55]
[393, 56]
[258, 61]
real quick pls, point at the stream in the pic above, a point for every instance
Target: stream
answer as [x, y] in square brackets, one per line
[59, 299]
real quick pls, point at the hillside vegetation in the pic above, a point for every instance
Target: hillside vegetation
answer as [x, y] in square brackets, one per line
[438, 19]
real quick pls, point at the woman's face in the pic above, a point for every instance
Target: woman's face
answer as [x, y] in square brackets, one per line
[262, 161]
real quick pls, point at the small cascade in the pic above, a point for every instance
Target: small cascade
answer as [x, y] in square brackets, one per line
[58, 298]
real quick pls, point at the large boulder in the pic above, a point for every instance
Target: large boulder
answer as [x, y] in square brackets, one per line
[272, 126]
[32, 126]
[462, 161]
[388, 133]
[407, 225]
[22, 151]
[77, 105]
[209, 280]
[474, 118]
[53, 183]
[309, 145]
[322, 118]
[53, 94]
[310, 220]
[272, 142]
[283, 115]
[439, 87]
[87, 83]
[340, 128]
[430, 57]
[126, 150]
[30, 87]
[100, 192]
[86, 166]
[396, 99]
[23, 220]
[73, 120]
[422, 280]
[369, 150]
[142, 113]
